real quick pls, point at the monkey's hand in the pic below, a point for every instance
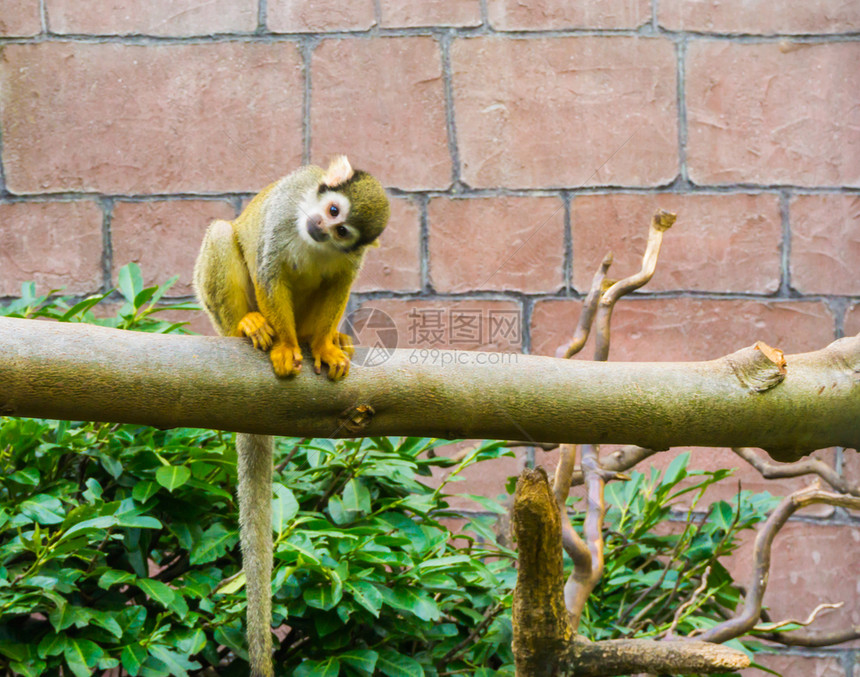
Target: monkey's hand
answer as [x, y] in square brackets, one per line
[258, 329]
[286, 359]
[333, 352]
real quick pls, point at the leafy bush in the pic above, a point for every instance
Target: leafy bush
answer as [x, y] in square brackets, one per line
[118, 547]
[657, 559]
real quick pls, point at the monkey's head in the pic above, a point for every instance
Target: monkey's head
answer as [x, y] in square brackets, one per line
[348, 211]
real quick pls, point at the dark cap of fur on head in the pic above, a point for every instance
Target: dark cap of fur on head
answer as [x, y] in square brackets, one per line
[369, 209]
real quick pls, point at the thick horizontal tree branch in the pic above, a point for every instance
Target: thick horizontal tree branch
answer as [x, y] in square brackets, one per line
[83, 372]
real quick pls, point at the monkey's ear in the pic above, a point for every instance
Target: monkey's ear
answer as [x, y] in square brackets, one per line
[339, 171]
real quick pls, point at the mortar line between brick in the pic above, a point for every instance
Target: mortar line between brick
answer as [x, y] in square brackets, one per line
[785, 245]
[307, 47]
[107, 243]
[4, 192]
[681, 62]
[424, 244]
[467, 192]
[567, 262]
[455, 31]
[43, 16]
[450, 123]
[526, 309]
[485, 14]
[654, 11]
[262, 15]
[377, 12]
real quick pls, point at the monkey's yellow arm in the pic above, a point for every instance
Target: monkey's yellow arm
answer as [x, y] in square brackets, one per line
[319, 327]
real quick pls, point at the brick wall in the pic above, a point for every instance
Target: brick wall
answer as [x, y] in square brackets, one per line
[520, 141]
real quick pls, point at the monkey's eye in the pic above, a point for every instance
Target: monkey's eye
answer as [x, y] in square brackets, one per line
[341, 230]
[333, 210]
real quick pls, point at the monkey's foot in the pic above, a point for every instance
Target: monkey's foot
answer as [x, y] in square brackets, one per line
[345, 343]
[258, 329]
[331, 352]
[286, 359]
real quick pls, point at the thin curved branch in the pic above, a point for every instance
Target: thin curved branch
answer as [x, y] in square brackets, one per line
[745, 621]
[811, 639]
[770, 627]
[660, 223]
[571, 541]
[808, 466]
[616, 463]
[589, 307]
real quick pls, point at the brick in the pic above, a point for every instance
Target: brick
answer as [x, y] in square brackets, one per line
[397, 13]
[569, 111]
[512, 15]
[721, 243]
[152, 17]
[395, 265]
[810, 564]
[510, 243]
[679, 329]
[303, 16]
[852, 320]
[773, 113]
[390, 90]
[20, 17]
[761, 17]
[796, 666]
[160, 118]
[54, 244]
[467, 325]
[825, 244]
[163, 237]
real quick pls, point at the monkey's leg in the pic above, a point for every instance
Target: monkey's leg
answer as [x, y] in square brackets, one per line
[222, 281]
[255, 528]
[286, 355]
[327, 343]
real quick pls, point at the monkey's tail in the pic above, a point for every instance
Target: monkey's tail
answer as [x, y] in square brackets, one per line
[255, 529]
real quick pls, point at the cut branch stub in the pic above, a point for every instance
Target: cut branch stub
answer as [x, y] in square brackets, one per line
[541, 630]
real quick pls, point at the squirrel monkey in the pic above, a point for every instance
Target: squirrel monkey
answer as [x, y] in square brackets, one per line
[280, 274]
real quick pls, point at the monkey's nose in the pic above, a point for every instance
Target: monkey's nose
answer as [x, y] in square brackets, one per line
[314, 230]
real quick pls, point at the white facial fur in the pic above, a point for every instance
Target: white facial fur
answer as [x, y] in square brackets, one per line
[322, 222]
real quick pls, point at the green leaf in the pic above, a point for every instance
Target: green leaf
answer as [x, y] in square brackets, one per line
[366, 594]
[330, 667]
[172, 476]
[157, 590]
[130, 281]
[81, 656]
[52, 644]
[362, 660]
[43, 509]
[284, 507]
[115, 577]
[133, 656]
[175, 662]
[213, 544]
[356, 497]
[105, 619]
[64, 616]
[677, 469]
[143, 491]
[397, 665]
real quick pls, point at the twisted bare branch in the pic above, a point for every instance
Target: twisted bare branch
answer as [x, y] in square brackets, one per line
[808, 466]
[745, 621]
[660, 223]
[589, 307]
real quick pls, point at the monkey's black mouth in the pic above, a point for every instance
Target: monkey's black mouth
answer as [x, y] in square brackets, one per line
[317, 233]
